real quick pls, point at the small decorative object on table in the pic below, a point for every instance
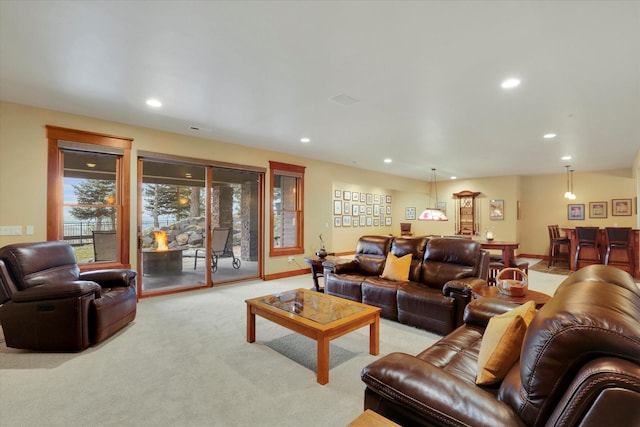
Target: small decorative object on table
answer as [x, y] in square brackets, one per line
[489, 236]
[322, 252]
[512, 286]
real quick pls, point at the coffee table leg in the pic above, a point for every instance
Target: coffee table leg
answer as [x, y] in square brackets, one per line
[251, 325]
[323, 360]
[374, 336]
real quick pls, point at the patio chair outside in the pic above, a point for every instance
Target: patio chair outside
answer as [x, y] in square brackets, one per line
[104, 245]
[221, 247]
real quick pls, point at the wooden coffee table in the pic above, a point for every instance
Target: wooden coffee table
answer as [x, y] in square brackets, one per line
[317, 316]
[484, 291]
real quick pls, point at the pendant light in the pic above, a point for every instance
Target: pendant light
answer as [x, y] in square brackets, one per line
[433, 214]
[569, 193]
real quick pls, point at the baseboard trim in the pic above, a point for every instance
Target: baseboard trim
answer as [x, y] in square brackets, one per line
[285, 274]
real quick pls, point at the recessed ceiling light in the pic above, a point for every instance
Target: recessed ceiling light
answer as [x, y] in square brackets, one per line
[549, 135]
[305, 139]
[188, 175]
[91, 165]
[566, 157]
[154, 103]
[388, 160]
[454, 177]
[510, 83]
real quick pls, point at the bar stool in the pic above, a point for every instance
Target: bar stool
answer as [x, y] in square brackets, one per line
[619, 238]
[587, 237]
[556, 241]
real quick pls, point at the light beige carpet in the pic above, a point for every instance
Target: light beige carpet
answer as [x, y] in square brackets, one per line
[185, 362]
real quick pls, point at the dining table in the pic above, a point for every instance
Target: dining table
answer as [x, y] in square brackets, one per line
[508, 249]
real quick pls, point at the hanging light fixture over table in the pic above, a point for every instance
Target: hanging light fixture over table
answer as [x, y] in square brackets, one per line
[433, 214]
[569, 193]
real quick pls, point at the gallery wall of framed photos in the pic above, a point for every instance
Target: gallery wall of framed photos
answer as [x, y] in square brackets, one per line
[360, 209]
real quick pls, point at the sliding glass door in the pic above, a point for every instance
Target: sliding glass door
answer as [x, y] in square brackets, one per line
[198, 225]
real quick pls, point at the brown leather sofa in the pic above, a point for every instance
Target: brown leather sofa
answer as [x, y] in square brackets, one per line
[579, 364]
[48, 305]
[442, 274]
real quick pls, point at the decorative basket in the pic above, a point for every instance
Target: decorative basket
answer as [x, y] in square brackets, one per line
[511, 287]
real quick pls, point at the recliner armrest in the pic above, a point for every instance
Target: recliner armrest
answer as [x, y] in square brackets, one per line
[435, 394]
[340, 268]
[461, 286]
[110, 278]
[51, 291]
[479, 311]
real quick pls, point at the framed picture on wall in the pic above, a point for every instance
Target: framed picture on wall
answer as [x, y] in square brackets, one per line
[355, 222]
[337, 194]
[346, 221]
[337, 207]
[388, 199]
[346, 195]
[337, 221]
[621, 207]
[598, 209]
[409, 213]
[387, 221]
[575, 211]
[496, 210]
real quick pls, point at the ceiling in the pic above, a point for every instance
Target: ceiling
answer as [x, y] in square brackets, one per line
[421, 79]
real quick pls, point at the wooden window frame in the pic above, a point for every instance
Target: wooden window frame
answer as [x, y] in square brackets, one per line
[55, 197]
[285, 169]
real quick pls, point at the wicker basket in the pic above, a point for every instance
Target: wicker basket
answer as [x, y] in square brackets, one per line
[511, 287]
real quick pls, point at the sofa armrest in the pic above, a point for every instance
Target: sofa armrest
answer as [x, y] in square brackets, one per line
[110, 278]
[479, 311]
[340, 267]
[52, 291]
[434, 393]
[461, 286]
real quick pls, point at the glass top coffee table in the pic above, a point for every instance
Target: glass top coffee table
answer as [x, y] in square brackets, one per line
[317, 316]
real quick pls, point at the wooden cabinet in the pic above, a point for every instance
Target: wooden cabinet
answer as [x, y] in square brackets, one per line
[466, 215]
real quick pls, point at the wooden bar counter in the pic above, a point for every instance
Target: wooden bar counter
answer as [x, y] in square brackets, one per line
[588, 256]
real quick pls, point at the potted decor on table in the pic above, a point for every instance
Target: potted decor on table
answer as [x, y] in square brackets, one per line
[322, 252]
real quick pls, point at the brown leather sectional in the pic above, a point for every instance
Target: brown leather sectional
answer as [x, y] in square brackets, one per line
[48, 305]
[442, 274]
[579, 364]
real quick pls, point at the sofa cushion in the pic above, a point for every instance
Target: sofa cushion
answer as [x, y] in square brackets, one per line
[449, 259]
[501, 343]
[346, 285]
[397, 268]
[426, 308]
[401, 246]
[382, 293]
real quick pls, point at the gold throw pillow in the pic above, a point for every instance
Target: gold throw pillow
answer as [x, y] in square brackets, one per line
[397, 268]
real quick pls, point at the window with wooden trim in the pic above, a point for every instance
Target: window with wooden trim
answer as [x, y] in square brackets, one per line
[287, 209]
[88, 196]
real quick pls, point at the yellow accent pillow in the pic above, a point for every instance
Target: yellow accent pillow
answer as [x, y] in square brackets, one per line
[397, 268]
[502, 342]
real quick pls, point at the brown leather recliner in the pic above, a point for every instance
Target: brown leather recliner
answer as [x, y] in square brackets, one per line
[48, 305]
[579, 364]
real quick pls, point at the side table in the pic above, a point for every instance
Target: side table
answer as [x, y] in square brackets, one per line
[316, 267]
[485, 291]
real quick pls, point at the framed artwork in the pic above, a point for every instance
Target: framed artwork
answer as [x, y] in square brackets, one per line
[346, 221]
[369, 199]
[369, 210]
[346, 195]
[355, 222]
[355, 196]
[337, 194]
[369, 221]
[363, 219]
[376, 209]
[362, 208]
[496, 210]
[362, 197]
[388, 210]
[409, 213]
[337, 221]
[388, 199]
[354, 209]
[387, 221]
[376, 222]
[597, 209]
[376, 198]
[346, 207]
[575, 212]
[337, 207]
[621, 207]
